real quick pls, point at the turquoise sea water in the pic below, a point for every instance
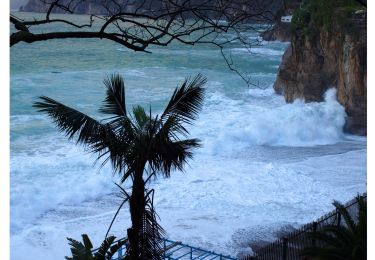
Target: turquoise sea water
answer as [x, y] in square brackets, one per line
[264, 164]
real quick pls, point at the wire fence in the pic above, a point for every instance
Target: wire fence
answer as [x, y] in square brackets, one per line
[290, 246]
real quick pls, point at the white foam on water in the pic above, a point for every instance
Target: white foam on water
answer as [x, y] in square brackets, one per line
[264, 164]
[258, 92]
[215, 199]
[259, 51]
[223, 191]
[229, 124]
[42, 180]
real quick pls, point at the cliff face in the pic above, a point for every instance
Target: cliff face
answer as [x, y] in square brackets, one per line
[279, 32]
[337, 58]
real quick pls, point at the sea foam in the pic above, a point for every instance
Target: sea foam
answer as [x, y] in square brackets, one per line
[275, 123]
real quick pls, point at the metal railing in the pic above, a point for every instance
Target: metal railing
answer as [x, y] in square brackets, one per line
[173, 250]
[184, 251]
[290, 246]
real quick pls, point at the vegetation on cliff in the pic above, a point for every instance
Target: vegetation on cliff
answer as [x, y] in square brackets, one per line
[323, 14]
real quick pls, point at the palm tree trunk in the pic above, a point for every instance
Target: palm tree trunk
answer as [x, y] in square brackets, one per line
[137, 207]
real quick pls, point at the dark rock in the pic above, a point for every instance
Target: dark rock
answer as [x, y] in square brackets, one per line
[279, 32]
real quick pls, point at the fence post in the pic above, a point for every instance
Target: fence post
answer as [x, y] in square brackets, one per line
[285, 248]
[165, 246]
[314, 227]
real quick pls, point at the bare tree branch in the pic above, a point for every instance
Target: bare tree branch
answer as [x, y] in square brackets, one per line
[137, 25]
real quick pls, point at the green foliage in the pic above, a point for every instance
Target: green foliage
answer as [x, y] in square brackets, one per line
[344, 242]
[322, 13]
[300, 19]
[83, 251]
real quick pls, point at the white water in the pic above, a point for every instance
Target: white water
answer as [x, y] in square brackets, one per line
[265, 165]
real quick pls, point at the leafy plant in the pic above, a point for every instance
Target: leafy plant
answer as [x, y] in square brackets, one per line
[342, 241]
[83, 251]
[138, 145]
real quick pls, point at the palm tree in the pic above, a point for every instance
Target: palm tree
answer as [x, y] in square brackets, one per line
[138, 145]
[346, 241]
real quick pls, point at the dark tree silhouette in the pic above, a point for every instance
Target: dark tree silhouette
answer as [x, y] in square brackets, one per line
[138, 146]
[137, 25]
[342, 241]
[362, 2]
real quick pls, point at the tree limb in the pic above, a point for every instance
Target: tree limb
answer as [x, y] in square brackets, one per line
[139, 24]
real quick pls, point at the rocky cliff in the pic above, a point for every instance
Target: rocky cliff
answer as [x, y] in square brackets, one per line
[279, 32]
[329, 58]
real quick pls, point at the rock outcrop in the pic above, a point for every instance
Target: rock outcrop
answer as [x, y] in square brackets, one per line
[335, 58]
[279, 32]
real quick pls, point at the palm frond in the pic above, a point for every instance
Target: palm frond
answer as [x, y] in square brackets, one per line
[80, 251]
[104, 248]
[325, 237]
[186, 100]
[125, 197]
[121, 126]
[362, 205]
[345, 214]
[127, 173]
[114, 102]
[141, 118]
[171, 155]
[114, 248]
[341, 235]
[325, 253]
[152, 233]
[172, 128]
[114, 148]
[168, 151]
[86, 241]
[345, 241]
[96, 137]
[83, 251]
[70, 121]
[335, 237]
